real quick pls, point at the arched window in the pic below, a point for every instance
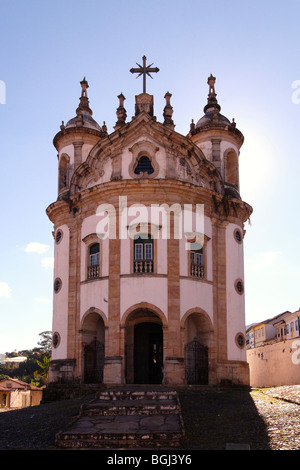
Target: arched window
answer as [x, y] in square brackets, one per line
[143, 254]
[63, 174]
[144, 166]
[232, 169]
[94, 261]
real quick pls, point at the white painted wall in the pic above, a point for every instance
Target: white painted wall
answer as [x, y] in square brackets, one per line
[94, 294]
[144, 289]
[196, 294]
[60, 299]
[235, 301]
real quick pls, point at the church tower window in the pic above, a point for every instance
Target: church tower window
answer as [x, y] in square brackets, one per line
[94, 261]
[144, 166]
[143, 254]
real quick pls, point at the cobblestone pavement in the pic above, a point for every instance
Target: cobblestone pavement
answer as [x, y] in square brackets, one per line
[264, 419]
[280, 410]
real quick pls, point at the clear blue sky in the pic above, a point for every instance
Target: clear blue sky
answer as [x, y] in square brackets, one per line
[252, 47]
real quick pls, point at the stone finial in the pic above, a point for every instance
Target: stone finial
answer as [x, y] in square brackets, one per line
[121, 112]
[168, 112]
[84, 86]
[212, 103]
[104, 127]
[84, 104]
[211, 83]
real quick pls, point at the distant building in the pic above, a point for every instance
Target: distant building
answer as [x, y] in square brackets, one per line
[273, 352]
[287, 327]
[17, 360]
[265, 331]
[17, 394]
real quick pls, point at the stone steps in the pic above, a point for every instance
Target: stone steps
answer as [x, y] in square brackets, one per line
[126, 419]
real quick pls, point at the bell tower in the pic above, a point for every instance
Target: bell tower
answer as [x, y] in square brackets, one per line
[219, 139]
[75, 140]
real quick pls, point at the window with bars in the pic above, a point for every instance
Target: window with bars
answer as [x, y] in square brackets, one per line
[144, 166]
[143, 254]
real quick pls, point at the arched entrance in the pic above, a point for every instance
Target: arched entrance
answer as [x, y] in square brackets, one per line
[197, 340]
[93, 348]
[143, 348]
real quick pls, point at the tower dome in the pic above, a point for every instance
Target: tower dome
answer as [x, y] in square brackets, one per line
[83, 112]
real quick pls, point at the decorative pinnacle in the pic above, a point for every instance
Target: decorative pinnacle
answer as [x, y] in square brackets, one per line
[84, 104]
[212, 100]
[84, 85]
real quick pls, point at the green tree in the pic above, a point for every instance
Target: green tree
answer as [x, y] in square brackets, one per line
[44, 368]
[45, 342]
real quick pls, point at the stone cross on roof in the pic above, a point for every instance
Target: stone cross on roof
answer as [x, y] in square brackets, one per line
[144, 70]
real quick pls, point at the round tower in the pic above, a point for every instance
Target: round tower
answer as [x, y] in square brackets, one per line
[75, 140]
[219, 139]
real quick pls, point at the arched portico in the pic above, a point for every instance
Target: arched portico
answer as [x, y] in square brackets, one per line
[93, 346]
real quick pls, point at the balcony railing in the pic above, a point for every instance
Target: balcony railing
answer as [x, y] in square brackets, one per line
[197, 270]
[143, 266]
[93, 271]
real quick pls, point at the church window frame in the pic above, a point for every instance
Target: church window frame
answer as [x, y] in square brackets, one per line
[59, 236]
[240, 340]
[239, 286]
[143, 253]
[238, 236]
[93, 269]
[56, 339]
[57, 285]
[93, 250]
[143, 150]
[197, 258]
[63, 173]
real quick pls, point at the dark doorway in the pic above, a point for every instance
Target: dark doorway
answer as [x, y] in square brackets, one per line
[148, 353]
[93, 362]
[196, 363]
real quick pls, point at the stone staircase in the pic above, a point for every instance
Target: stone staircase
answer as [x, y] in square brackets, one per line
[127, 418]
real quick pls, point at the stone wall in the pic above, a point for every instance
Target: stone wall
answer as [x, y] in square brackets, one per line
[275, 364]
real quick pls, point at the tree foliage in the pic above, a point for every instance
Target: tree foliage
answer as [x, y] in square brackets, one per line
[35, 369]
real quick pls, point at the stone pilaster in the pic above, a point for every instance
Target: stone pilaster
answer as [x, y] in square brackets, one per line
[113, 359]
[77, 153]
[173, 348]
[73, 348]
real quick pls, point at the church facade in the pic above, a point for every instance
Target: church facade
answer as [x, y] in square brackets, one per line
[148, 236]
